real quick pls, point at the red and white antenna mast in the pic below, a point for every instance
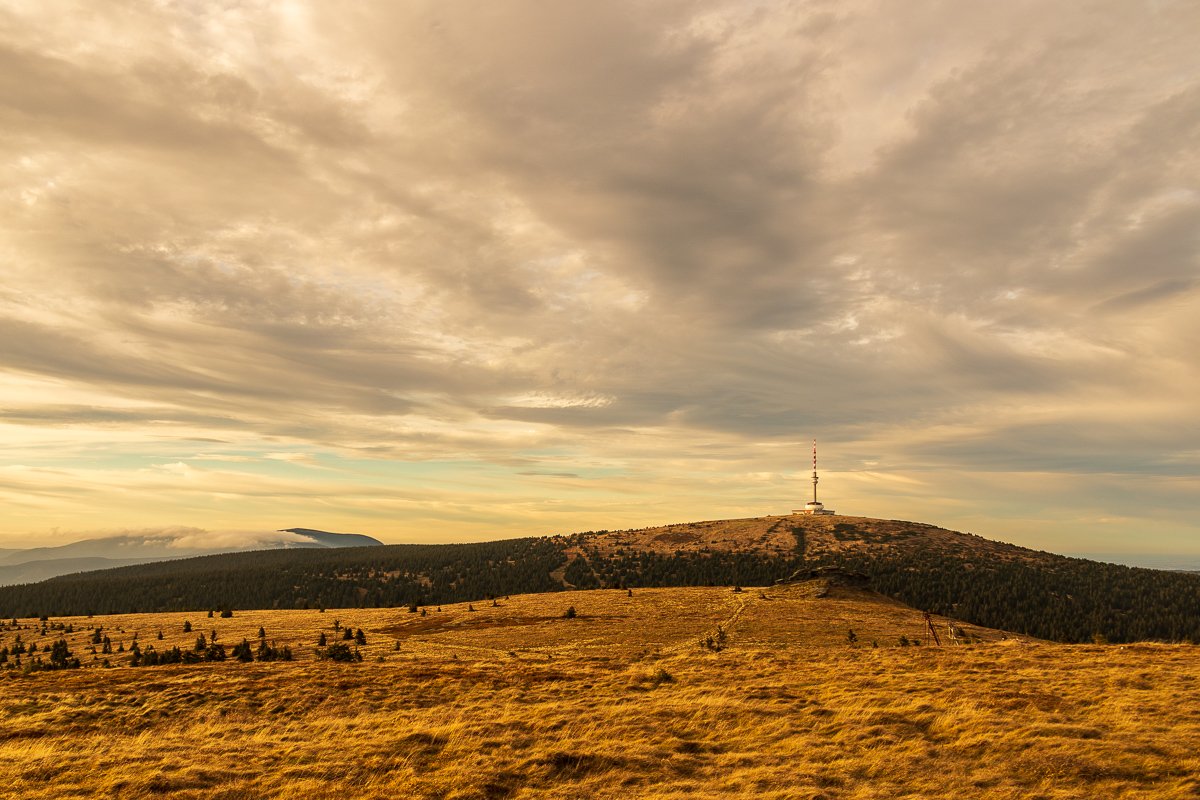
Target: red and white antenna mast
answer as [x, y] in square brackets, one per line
[814, 507]
[814, 470]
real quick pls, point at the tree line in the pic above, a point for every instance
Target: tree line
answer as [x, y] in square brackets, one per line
[1039, 594]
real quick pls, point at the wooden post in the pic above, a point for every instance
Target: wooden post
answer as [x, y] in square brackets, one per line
[932, 631]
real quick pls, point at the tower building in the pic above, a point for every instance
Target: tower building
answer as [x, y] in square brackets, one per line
[814, 507]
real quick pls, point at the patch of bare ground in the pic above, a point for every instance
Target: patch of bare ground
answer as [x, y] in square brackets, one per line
[516, 700]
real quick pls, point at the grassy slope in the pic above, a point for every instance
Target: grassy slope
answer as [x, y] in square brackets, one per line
[825, 534]
[516, 701]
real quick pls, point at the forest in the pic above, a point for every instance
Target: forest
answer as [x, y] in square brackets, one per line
[1051, 597]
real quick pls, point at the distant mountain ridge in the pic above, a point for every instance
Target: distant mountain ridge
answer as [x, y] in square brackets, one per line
[34, 571]
[327, 539]
[41, 563]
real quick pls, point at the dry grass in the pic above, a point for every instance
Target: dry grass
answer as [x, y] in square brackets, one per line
[516, 701]
[774, 535]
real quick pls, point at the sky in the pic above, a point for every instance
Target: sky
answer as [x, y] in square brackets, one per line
[450, 271]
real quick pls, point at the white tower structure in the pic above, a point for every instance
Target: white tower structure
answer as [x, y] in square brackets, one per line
[814, 507]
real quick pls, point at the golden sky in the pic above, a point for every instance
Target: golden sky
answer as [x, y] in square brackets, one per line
[439, 271]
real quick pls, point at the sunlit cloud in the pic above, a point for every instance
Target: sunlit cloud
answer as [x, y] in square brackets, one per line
[438, 271]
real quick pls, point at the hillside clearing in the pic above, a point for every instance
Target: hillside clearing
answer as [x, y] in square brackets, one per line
[518, 701]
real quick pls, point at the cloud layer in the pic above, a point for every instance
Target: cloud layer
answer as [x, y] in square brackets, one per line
[434, 270]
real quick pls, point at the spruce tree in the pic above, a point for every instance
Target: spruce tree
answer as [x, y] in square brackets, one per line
[61, 656]
[242, 651]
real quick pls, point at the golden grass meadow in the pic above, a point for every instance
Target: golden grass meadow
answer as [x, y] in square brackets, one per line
[515, 700]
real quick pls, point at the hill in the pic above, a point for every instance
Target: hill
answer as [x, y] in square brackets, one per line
[987, 583]
[959, 574]
[39, 563]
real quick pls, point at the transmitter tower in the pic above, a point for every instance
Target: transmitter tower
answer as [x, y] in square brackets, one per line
[814, 507]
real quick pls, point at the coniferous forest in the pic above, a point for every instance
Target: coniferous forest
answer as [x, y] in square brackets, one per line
[1051, 597]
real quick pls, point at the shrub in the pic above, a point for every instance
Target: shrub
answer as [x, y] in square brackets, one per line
[152, 657]
[652, 679]
[717, 643]
[569, 613]
[339, 652]
[242, 651]
[61, 656]
[267, 652]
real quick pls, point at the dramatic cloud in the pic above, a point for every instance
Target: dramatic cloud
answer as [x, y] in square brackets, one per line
[450, 270]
